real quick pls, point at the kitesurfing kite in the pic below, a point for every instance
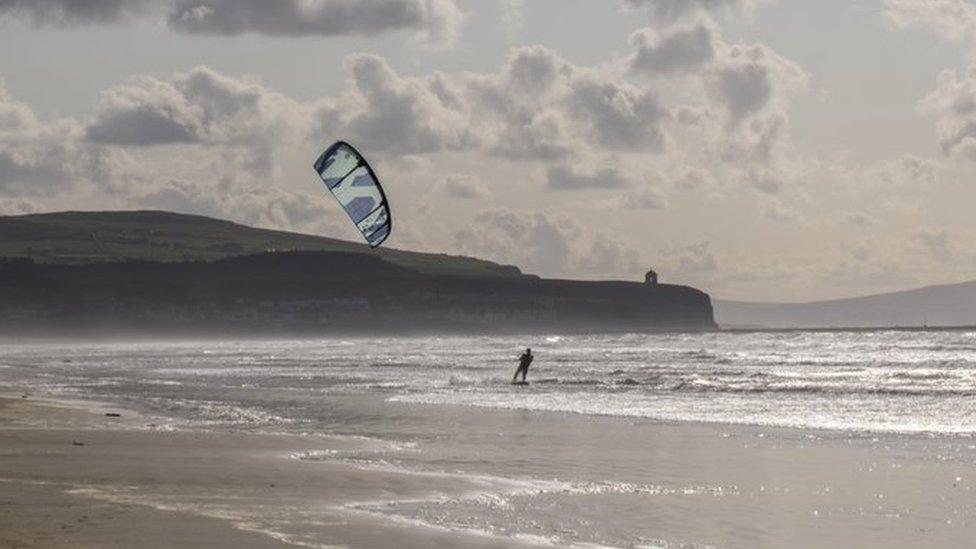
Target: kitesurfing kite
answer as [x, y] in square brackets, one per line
[353, 183]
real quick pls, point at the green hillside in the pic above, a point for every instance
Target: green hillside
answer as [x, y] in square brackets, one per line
[94, 237]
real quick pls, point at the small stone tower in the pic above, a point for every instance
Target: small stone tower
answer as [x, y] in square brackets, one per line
[651, 278]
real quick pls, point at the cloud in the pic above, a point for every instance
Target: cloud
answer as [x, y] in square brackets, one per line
[952, 20]
[16, 206]
[15, 116]
[542, 107]
[403, 115]
[519, 109]
[512, 17]
[778, 212]
[643, 199]
[567, 178]
[693, 262]
[75, 12]
[954, 104]
[859, 219]
[37, 157]
[673, 9]
[908, 172]
[178, 195]
[533, 241]
[620, 116]
[938, 244]
[464, 187]
[52, 163]
[213, 143]
[755, 87]
[253, 204]
[545, 245]
[752, 78]
[539, 136]
[437, 20]
[676, 50]
[199, 107]
[142, 113]
[953, 101]
[608, 257]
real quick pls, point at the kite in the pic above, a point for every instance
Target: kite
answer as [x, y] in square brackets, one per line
[353, 183]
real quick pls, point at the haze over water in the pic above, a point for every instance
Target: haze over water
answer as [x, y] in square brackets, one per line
[574, 458]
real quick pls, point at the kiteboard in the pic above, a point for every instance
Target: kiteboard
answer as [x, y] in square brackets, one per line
[521, 383]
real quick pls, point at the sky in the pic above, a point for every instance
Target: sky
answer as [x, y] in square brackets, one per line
[762, 150]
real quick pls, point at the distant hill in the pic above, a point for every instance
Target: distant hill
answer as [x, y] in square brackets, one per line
[79, 238]
[948, 305]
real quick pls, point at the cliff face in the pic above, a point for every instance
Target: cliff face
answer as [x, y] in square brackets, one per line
[323, 293]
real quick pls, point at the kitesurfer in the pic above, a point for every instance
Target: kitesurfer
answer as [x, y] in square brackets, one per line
[524, 361]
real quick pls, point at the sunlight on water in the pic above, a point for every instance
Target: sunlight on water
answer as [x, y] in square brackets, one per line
[906, 382]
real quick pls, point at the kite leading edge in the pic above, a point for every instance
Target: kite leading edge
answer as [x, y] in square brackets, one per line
[353, 183]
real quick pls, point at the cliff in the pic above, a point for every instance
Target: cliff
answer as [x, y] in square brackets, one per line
[327, 292]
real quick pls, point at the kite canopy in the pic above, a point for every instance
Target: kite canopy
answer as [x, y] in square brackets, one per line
[354, 184]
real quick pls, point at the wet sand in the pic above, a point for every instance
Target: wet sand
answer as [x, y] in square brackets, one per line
[104, 486]
[72, 477]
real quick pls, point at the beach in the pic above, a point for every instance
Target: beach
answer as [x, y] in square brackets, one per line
[105, 486]
[241, 444]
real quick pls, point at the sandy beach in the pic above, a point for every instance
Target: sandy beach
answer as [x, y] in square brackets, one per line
[273, 444]
[105, 486]
[112, 486]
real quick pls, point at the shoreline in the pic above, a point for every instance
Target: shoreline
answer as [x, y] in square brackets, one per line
[122, 335]
[128, 485]
[79, 482]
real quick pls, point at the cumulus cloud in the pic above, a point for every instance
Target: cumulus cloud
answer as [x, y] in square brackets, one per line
[144, 112]
[953, 20]
[202, 107]
[202, 134]
[620, 116]
[38, 157]
[545, 245]
[692, 261]
[403, 115]
[753, 78]
[15, 116]
[519, 109]
[53, 162]
[755, 87]
[954, 104]
[535, 241]
[675, 50]
[953, 101]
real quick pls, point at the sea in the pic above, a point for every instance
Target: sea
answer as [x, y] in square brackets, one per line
[446, 405]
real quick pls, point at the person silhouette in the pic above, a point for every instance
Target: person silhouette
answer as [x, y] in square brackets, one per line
[524, 361]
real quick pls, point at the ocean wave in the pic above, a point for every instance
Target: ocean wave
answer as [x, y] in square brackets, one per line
[814, 389]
